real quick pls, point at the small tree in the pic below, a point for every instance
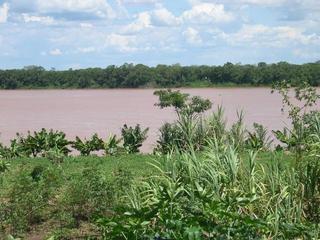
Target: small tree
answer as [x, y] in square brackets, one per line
[182, 103]
[298, 100]
[187, 131]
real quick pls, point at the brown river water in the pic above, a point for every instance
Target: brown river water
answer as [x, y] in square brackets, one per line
[84, 112]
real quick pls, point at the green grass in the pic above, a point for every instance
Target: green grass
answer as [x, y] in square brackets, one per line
[69, 172]
[137, 164]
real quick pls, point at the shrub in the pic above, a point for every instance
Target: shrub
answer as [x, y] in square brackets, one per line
[214, 196]
[25, 199]
[85, 196]
[4, 166]
[258, 139]
[85, 147]
[111, 146]
[169, 139]
[133, 138]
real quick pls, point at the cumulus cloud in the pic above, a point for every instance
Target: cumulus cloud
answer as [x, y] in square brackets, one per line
[241, 2]
[192, 36]
[207, 13]
[139, 1]
[4, 12]
[263, 2]
[99, 8]
[163, 16]
[123, 43]
[55, 52]
[142, 21]
[279, 36]
[148, 19]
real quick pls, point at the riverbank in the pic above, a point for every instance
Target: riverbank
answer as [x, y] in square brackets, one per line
[64, 200]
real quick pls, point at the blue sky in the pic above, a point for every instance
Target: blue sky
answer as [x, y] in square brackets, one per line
[95, 33]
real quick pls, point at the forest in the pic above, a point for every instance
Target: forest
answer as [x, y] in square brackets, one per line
[142, 76]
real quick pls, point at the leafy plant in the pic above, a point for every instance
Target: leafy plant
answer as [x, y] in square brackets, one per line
[299, 101]
[181, 102]
[85, 147]
[237, 133]
[111, 146]
[169, 139]
[87, 195]
[4, 166]
[26, 199]
[133, 137]
[214, 196]
[258, 139]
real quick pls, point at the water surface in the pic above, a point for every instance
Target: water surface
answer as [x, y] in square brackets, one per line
[83, 112]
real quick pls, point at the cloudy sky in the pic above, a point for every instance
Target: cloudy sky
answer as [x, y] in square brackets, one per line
[96, 33]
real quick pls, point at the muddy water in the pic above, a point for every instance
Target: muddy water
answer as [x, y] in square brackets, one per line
[83, 112]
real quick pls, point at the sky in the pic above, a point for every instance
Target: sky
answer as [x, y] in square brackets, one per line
[65, 34]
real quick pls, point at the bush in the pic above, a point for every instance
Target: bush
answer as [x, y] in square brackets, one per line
[25, 198]
[84, 197]
[85, 147]
[215, 196]
[111, 146]
[258, 139]
[169, 139]
[133, 138]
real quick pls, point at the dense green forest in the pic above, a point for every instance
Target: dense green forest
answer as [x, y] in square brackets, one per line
[135, 76]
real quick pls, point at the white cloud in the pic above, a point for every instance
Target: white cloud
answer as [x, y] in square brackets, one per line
[55, 52]
[207, 13]
[4, 12]
[279, 36]
[99, 8]
[249, 2]
[148, 19]
[123, 43]
[165, 17]
[263, 2]
[192, 36]
[41, 19]
[139, 1]
[143, 21]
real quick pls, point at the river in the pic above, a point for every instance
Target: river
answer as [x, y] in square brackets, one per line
[84, 112]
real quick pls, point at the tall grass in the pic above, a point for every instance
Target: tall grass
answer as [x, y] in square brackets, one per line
[221, 193]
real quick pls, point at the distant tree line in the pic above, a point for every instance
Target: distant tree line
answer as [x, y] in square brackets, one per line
[135, 76]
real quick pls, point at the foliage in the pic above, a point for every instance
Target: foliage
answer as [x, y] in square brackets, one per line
[237, 133]
[139, 75]
[85, 196]
[299, 102]
[169, 138]
[216, 196]
[189, 128]
[258, 139]
[24, 199]
[181, 102]
[111, 146]
[4, 166]
[85, 147]
[133, 137]
[39, 196]
[37, 144]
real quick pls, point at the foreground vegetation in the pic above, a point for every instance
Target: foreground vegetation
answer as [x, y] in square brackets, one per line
[204, 181]
[134, 76]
